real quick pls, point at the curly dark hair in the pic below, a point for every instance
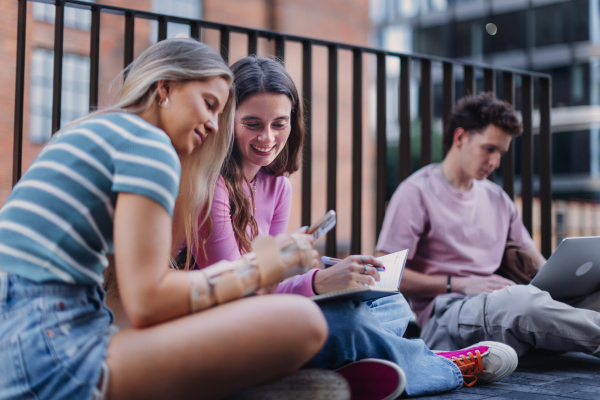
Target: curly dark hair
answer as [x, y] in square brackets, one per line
[474, 114]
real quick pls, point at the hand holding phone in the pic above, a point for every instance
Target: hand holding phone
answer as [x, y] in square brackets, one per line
[323, 225]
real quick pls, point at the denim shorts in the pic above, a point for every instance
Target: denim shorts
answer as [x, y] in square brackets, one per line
[53, 340]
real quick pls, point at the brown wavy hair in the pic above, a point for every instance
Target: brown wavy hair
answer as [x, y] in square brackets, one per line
[254, 75]
[475, 113]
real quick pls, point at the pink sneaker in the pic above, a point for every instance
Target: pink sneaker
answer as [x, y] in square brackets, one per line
[484, 362]
[374, 379]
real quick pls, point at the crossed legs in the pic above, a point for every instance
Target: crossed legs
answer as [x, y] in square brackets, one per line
[216, 352]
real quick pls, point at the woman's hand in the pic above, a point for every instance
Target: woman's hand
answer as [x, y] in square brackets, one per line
[285, 237]
[352, 271]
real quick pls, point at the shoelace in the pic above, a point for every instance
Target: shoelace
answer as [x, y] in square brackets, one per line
[470, 367]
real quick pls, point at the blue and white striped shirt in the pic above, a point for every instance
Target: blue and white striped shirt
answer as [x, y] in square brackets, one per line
[57, 223]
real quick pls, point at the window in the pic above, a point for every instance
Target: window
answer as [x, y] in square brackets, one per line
[75, 92]
[511, 33]
[580, 20]
[74, 18]
[550, 24]
[432, 41]
[468, 38]
[179, 8]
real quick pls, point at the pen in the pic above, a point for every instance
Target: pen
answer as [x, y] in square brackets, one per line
[332, 261]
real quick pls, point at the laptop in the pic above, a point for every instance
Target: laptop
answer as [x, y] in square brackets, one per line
[572, 270]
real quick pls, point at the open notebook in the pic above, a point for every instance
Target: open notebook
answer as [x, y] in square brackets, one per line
[388, 285]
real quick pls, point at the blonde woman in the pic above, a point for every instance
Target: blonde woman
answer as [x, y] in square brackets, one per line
[107, 185]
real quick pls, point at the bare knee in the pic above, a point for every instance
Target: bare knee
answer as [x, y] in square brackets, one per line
[301, 321]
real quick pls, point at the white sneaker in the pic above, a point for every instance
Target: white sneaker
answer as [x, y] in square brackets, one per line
[484, 362]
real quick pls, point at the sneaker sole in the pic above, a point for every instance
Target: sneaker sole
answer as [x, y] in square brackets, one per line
[364, 384]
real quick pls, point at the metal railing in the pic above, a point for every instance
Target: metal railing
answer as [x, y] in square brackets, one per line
[333, 48]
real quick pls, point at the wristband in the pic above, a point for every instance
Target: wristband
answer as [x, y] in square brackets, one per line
[449, 285]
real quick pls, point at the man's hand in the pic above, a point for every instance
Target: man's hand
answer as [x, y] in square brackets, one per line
[475, 286]
[348, 273]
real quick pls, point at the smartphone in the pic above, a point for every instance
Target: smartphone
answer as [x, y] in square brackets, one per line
[323, 225]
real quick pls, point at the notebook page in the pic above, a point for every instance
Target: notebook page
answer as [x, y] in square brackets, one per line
[394, 265]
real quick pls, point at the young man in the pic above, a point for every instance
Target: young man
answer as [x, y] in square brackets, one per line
[455, 224]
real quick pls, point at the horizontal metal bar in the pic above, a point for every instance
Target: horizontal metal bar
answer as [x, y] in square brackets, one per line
[293, 38]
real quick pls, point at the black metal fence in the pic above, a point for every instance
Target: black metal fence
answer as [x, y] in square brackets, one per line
[490, 75]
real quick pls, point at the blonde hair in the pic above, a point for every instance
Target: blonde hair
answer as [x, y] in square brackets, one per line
[179, 61]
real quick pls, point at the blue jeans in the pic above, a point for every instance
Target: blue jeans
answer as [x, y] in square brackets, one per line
[53, 339]
[374, 329]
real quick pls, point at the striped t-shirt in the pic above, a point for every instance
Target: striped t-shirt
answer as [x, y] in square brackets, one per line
[57, 223]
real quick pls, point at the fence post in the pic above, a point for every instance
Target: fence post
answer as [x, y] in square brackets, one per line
[546, 165]
[19, 92]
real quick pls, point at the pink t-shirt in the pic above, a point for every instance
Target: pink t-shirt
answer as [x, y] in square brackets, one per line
[449, 232]
[273, 199]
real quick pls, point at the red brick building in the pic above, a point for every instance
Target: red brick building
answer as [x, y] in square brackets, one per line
[338, 20]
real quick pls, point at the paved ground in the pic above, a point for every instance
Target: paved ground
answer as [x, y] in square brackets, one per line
[540, 377]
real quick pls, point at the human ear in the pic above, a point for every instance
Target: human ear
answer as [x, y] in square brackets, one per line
[460, 136]
[163, 88]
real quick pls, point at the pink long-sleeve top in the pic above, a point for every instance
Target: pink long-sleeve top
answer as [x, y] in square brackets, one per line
[273, 199]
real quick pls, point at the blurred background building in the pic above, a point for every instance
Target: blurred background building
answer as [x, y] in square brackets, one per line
[558, 37]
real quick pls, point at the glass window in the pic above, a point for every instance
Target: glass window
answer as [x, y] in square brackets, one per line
[511, 33]
[74, 18]
[580, 15]
[75, 92]
[571, 152]
[468, 38]
[179, 8]
[432, 40]
[580, 85]
[550, 24]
